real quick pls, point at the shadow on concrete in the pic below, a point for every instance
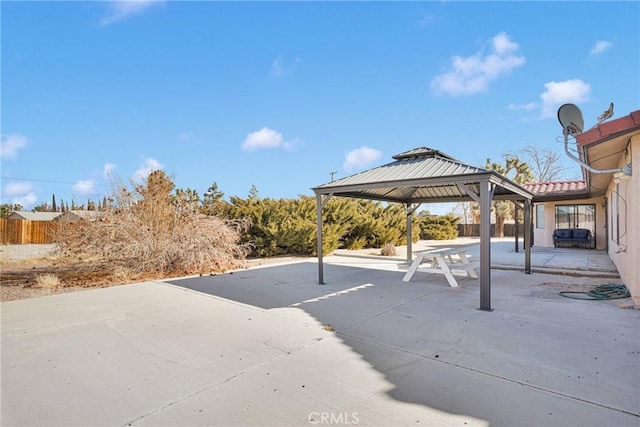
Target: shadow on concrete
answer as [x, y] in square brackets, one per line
[430, 341]
[291, 284]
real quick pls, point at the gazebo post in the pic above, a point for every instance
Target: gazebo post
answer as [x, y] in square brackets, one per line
[409, 234]
[319, 225]
[527, 236]
[516, 231]
[485, 245]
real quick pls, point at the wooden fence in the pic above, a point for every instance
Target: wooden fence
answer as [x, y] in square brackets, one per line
[471, 230]
[24, 232]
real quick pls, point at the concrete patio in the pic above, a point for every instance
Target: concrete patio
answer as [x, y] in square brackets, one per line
[268, 346]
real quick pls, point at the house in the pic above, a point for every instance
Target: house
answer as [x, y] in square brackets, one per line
[607, 201]
[34, 216]
[77, 215]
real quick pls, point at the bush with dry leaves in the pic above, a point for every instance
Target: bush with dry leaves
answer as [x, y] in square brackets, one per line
[151, 229]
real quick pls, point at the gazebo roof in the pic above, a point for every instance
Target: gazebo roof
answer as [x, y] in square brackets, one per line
[426, 175]
[422, 175]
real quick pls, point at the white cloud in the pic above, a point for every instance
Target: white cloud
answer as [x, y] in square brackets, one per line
[26, 201]
[85, 188]
[473, 74]
[281, 69]
[108, 169]
[123, 9]
[264, 138]
[599, 47]
[557, 93]
[145, 170]
[17, 189]
[19, 193]
[526, 107]
[11, 144]
[360, 157]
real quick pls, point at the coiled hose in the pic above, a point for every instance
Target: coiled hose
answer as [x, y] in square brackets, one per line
[602, 292]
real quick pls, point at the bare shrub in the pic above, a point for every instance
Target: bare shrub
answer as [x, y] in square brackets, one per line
[123, 274]
[388, 250]
[47, 280]
[151, 230]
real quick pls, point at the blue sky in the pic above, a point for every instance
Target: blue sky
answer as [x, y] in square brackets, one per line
[281, 94]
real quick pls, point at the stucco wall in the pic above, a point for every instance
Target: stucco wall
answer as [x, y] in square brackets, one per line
[544, 236]
[626, 253]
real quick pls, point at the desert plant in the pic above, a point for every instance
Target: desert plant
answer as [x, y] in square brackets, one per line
[149, 229]
[47, 281]
[388, 250]
[122, 274]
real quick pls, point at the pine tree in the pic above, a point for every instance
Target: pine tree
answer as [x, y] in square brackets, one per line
[253, 193]
[54, 207]
[212, 203]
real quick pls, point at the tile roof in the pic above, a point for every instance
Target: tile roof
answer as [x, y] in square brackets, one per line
[555, 187]
[610, 129]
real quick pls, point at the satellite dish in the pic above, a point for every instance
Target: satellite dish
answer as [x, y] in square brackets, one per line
[570, 118]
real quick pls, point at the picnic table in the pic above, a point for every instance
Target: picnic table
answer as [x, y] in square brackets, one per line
[443, 262]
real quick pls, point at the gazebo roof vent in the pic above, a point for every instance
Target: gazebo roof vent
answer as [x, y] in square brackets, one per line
[422, 153]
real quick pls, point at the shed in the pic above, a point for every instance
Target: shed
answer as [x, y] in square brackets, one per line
[425, 175]
[34, 216]
[78, 215]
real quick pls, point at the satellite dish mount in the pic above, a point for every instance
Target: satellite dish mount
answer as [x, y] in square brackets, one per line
[572, 123]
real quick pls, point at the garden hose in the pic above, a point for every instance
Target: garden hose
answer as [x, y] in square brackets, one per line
[602, 292]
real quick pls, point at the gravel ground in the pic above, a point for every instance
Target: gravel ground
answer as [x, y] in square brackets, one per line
[22, 252]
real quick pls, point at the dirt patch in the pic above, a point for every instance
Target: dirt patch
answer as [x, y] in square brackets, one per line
[18, 277]
[18, 273]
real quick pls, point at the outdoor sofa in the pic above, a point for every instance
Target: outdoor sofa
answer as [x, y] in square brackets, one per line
[572, 236]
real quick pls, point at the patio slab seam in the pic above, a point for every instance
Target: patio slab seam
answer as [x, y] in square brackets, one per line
[222, 382]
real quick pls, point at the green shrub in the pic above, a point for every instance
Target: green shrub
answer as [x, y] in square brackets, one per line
[288, 226]
[444, 227]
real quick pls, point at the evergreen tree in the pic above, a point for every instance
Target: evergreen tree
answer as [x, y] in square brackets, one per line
[212, 203]
[54, 206]
[253, 193]
[73, 205]
[5, 210]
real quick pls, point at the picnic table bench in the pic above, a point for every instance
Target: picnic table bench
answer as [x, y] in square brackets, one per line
[443, 262]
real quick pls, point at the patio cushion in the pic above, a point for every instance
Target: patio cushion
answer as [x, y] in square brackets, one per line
[564, 233]
[581, 233]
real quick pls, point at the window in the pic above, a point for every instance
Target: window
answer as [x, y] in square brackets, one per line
[576, 216]
[539, 216]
